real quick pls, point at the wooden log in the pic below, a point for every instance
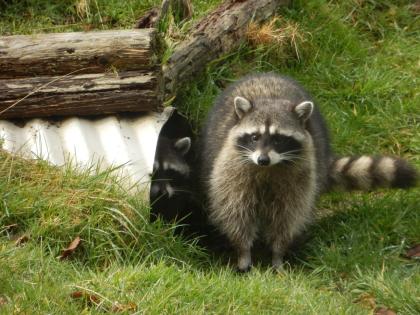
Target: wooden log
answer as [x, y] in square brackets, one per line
[84, 94]
[216, 34]
[79, 73]
[49, 56]
[62, 53]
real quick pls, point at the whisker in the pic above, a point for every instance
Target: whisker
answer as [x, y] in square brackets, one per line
[182, 190]
[297, 158]
[293, 156]
[291, 151]
[245, 148]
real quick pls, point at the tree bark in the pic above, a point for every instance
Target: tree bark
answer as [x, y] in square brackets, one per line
[79, 73]
[216, 34]
[62, 53]
[85, 94]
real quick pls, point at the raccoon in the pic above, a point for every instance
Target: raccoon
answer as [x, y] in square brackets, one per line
[170, 188]
[173, 194]
[266, 158]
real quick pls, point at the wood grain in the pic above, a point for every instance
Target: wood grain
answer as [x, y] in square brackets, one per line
[79, 73]
[85, 94]
[62, 53]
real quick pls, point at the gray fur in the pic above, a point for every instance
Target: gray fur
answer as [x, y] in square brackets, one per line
[242, 196]
[304, 110]
[183, 145]
[242, 106]
[372, 172]
[246, 200]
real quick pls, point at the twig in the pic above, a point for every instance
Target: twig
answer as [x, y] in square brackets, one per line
[41, 87]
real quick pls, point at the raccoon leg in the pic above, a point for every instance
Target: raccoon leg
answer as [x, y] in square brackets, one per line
[240, 229]
[281, 236]
[278, 247]
[244, 259]
[242, 240]
[242, 233]
[275, 234]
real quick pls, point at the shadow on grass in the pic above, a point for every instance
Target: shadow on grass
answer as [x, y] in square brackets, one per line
[362, 232]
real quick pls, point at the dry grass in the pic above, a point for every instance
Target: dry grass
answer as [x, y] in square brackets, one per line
[83, 9]
[276, 32]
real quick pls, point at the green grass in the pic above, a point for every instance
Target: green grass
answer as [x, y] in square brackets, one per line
[40, 16]
[360, 61]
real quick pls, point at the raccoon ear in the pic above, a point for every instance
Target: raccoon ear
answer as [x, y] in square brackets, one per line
[183, 145]
[242, 106]
[304, 110]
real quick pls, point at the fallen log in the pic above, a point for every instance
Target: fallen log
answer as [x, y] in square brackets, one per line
[79, 73]
[62, 53]
[216, 34]
[44, 75]
[84, 94]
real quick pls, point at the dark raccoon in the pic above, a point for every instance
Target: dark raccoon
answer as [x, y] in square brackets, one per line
[266, 158]
[173, 192]
[171, 181]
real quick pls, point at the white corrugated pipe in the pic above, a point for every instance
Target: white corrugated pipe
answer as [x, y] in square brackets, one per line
[126, 141]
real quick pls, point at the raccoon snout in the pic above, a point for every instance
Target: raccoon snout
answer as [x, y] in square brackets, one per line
[263, 160]
[155, 191]
[161, 190]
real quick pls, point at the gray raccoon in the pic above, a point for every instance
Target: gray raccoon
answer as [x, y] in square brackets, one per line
[266, 158]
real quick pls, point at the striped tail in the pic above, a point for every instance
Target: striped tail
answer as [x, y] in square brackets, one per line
[370, 172]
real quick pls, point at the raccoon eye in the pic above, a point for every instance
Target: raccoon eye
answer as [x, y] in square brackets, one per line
[255, 137]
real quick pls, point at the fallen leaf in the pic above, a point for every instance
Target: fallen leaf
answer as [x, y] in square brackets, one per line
[117, 307]
[86, 296]
[2, 301]
[413, 251]
[384, 311]
[71, 248]
[77, 294]
[367, 299]
[22, 239]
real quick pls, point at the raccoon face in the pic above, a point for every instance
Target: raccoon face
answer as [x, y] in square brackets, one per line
[266, 149]
[170, 170]
[268, 136]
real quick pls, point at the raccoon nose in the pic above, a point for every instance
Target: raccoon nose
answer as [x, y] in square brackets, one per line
[263, 160]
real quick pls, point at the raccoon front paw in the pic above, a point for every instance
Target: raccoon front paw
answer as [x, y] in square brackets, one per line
[243, 269]
[278, 268]
[277, 263]
[244, 260]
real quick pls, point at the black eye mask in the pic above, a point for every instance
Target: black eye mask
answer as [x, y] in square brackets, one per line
[284, 144]
[248, 141]
[280, 143]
